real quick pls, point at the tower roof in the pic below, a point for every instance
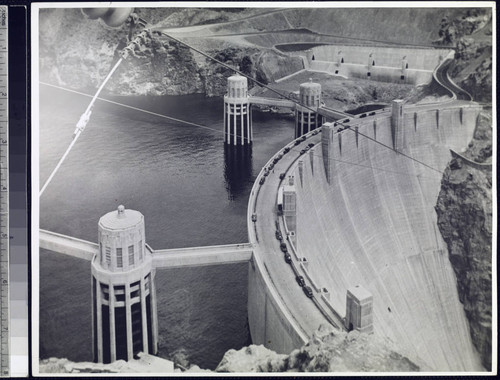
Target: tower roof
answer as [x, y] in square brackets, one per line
[121, 219]
[237, 78]
[310, 84]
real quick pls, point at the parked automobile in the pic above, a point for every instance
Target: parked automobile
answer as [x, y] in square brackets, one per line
[288, 258]
[266, 173]
[286, 150]
[304, 138]
[282, 175]
[310, 145]
[372, 113]
[302, 151]
[300, 281]
[262, 180]
[271, 167]
[283, 247]
[362, 115]
[308, 291]
[254, 218]
[278, 235]
[297, 142]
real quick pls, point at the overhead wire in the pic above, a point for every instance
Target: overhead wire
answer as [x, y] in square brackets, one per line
[95, 97]
[216, 130]
[289, 98]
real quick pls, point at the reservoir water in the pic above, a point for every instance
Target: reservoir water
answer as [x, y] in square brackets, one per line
[192, 192]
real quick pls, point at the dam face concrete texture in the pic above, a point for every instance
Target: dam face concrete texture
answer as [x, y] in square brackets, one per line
[373, 223]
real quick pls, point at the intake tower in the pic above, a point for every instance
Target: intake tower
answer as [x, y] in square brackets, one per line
[123, 291]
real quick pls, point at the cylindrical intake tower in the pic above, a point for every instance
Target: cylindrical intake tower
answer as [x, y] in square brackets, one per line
[306, 119]
[124, 317]
[237, 112]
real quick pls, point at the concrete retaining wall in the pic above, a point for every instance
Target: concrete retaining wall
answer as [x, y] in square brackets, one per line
[420, 59]
[377, 73]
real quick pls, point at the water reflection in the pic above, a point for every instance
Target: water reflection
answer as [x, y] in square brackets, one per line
[237, 170]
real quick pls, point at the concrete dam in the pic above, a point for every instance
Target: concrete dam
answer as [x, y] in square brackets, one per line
[365, 215]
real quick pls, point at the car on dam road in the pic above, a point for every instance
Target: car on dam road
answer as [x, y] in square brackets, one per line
[262, 180]
[283, 247]
[254, 218]
[282, 176]
[300, 280]
[308, 291]
[288, 258]
[279, 236]
[286, 150]
[297, 142]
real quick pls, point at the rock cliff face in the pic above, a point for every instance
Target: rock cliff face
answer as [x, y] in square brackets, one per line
[464, 210]
[328, 350]
[77, 52]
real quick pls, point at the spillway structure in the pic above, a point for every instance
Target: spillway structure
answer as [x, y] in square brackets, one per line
[123, 290]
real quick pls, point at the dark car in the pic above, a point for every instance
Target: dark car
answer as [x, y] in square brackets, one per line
[262, 180]
[286, 150]
[254, 218]
[282, 175]
[271, 167]
[297, 142]
[302, 151]
[372, 113]
[288, 258]
[310, 145]
[276, 160]
[362, 115]
[300, 280]
[304, 138]
[347, 121]
[266, 173]
[283, 247]
[308, 291]
[278, 235]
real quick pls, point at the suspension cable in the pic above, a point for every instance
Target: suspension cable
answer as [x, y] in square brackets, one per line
[80, 126]
[218, 130]
[287, 97]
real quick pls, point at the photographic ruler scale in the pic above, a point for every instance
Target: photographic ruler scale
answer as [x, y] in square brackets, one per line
[4, 198]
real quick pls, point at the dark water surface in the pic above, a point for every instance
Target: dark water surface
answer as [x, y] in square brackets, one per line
[192, 192]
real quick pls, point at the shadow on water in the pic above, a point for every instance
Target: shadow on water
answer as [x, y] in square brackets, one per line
[237, 170]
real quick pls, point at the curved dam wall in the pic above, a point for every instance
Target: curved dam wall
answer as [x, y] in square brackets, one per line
[365, 215]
